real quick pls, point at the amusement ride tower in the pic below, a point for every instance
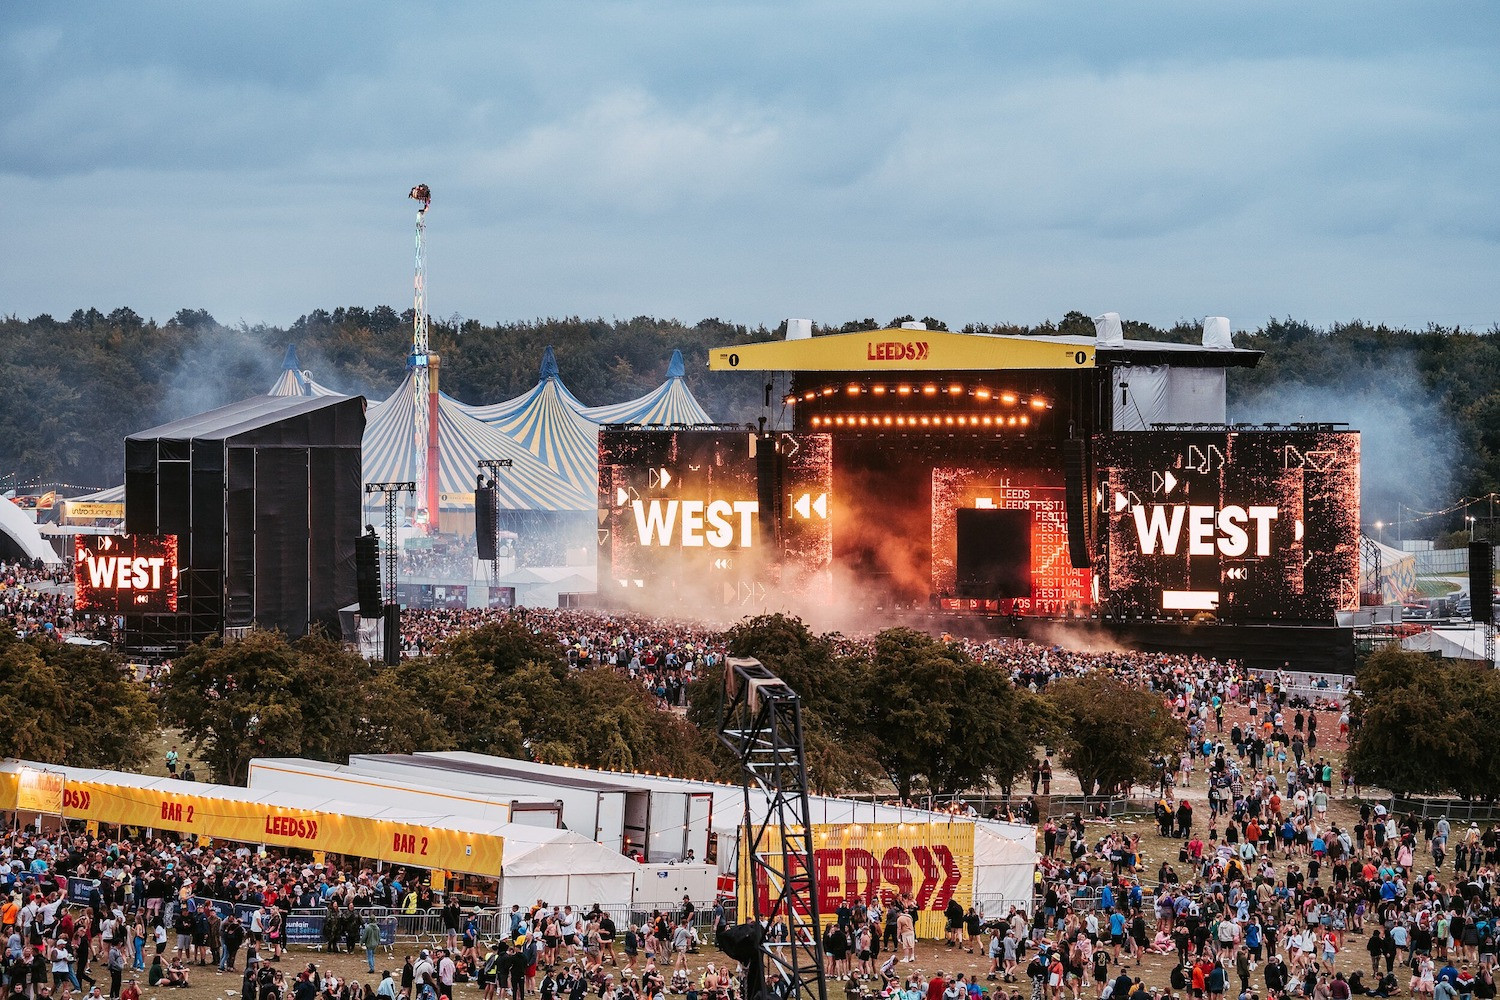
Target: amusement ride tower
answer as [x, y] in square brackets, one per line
[424, 368]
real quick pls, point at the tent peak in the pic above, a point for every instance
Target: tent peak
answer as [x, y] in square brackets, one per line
[549, 364]
[289, 362]
[676, 369]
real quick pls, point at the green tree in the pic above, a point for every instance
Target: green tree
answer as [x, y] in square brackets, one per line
[65, 704]
[942, 719]
[262, 696]
[1425, 726]
[108, 719]
[1109, 731]
[838, 742]
[504, 689]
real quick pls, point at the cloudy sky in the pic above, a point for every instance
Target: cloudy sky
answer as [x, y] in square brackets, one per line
[980, 161]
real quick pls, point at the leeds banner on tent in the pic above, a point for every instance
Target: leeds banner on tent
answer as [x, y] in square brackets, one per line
[925, 863]
[264, 823]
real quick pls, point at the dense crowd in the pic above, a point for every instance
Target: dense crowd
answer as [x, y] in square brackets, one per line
[664, 655]
[122, 914]
[32, 600]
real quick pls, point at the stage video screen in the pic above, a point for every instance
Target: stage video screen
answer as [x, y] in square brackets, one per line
[1255, 526]
[1000, 543]
[717, 518]
[114, 574]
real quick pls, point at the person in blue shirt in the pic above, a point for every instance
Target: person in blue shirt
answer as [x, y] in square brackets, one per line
[1116, 933]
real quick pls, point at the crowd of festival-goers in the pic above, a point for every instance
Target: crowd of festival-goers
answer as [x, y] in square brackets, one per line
[105, 917]
[1265, 892]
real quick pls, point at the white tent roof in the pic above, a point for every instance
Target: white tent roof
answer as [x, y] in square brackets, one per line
[1004, 853]
[23, 531]
[1462, 642]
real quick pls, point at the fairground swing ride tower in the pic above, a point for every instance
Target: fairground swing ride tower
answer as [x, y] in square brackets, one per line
[424, 381]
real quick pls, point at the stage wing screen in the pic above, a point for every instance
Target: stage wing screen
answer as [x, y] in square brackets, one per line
[695, 516]
[1254, 526]
[114, 574]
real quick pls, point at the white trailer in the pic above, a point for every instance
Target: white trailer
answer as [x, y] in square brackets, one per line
[316, 777]
[594, 809]
[669, 819]
[661, 887]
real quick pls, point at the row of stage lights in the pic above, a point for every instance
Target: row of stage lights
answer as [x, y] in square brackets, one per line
[960, 420]
[1005, 398]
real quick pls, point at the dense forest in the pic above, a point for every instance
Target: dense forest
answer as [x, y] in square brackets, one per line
[1428, 401]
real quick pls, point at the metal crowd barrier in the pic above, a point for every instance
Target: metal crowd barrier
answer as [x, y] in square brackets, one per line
[305, 926]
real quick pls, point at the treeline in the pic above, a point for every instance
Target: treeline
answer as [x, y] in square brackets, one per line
[70, 390]
[912, 714]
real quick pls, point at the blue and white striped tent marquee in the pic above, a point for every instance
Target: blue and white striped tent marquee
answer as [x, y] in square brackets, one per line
[672, 402]
[551, 438]
[389, 455]
[549, 423]
[294, 381]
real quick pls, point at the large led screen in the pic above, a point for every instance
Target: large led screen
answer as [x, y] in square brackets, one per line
[113, 574]
[1247, 526]
[714, 518]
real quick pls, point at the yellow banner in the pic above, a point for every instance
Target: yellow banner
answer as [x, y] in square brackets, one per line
[259, 823]
[83, 510]
[39, 791]
[902, 350]
[925, 863]
[455, 499]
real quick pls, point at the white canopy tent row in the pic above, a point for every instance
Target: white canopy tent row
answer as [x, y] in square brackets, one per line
[526, 862]
[663, 817]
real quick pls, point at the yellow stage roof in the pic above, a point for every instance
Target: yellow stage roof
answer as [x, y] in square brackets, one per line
[906, 350]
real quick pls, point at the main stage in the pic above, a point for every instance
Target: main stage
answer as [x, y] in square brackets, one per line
[998, 485]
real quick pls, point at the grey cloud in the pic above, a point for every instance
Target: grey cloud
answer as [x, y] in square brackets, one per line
[991, 161]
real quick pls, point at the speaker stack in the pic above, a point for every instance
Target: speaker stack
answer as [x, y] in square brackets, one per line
[367, 575]
[1078, 503]
[1482, 582]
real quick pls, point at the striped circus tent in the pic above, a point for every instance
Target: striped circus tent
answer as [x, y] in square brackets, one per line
[511, 409]
[548, 421]
[113, 494]
[672, 402]
[295, 381]
[463, 440]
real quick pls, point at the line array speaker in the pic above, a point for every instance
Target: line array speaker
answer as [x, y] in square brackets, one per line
[1077, 503]
[1482, 581]
[367, 575]
[484, 523]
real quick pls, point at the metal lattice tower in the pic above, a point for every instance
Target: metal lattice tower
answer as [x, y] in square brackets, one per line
[762, 724]
[417, 361]
[391, 492]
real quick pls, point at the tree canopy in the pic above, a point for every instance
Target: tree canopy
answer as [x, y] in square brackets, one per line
[499, 689]
[917, 714]
[1109, 732]
[73, 704]
[1425, 726]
